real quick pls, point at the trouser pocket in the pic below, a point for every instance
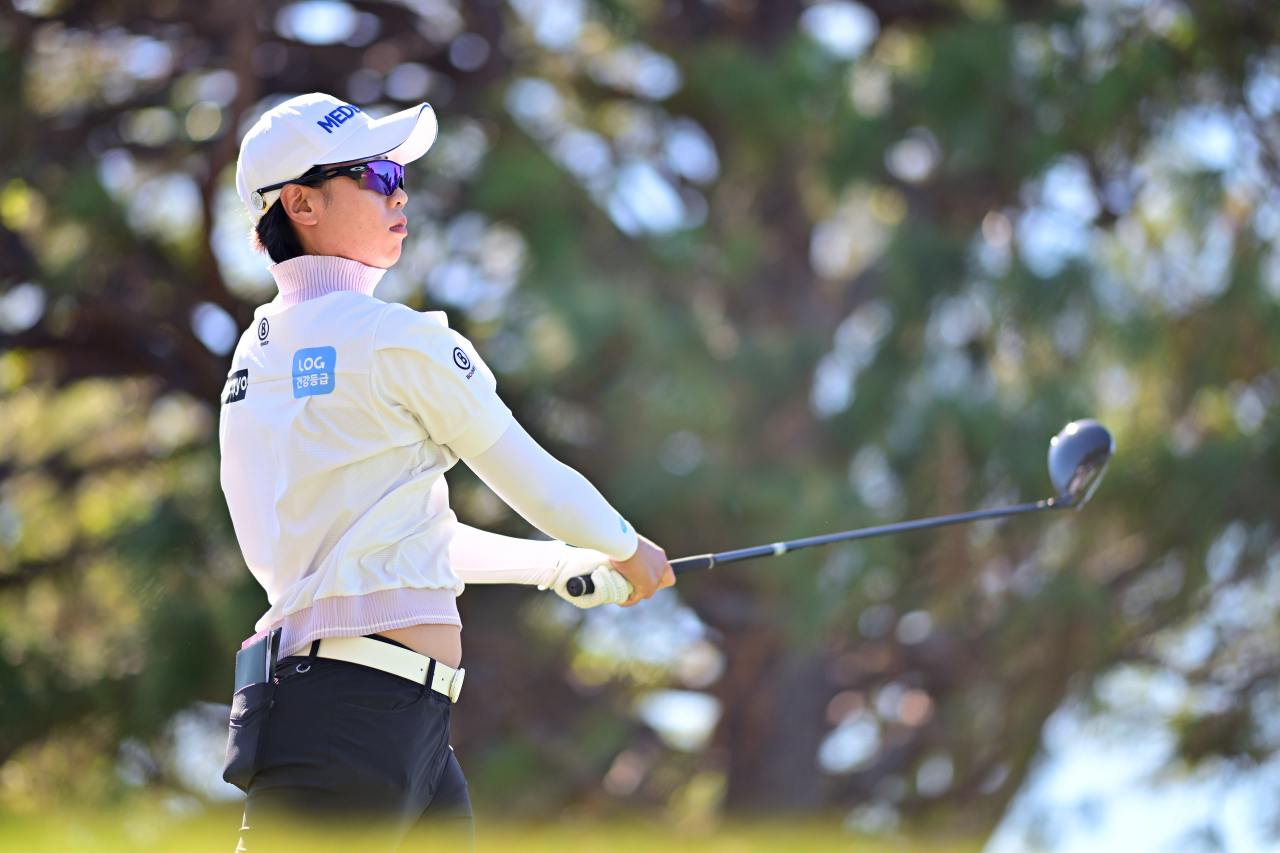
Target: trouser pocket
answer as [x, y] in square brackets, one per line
[247, 739]
[387, 746]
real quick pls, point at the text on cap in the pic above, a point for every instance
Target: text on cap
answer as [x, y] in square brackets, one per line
[337, 117]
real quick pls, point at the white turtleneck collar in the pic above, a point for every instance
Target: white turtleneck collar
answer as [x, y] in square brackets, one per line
[308, 276]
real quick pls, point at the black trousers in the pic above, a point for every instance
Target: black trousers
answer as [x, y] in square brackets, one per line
[351, 746]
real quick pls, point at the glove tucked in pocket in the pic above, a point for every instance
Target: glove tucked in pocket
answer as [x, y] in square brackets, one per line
[247, 740]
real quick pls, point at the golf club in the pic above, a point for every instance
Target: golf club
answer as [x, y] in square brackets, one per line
[1078, 457]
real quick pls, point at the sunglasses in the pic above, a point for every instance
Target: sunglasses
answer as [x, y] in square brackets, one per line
[381, 176]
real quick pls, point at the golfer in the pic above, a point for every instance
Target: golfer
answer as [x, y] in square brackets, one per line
[340, 416]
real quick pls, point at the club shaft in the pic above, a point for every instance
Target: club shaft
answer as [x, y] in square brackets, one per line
[684, 565]
[706, 561]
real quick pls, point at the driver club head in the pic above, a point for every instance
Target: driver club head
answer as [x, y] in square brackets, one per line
[1078, 457]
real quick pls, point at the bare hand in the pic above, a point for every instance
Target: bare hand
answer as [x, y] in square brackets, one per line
[647, 570]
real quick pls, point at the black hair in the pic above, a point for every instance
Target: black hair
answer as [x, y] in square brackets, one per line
[275, 234]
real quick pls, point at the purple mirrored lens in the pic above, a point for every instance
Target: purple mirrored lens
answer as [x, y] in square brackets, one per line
[382, 176]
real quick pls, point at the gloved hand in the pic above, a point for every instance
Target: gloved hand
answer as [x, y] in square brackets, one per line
[611, 587]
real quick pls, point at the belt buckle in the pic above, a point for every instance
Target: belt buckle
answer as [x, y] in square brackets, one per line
[455, 684]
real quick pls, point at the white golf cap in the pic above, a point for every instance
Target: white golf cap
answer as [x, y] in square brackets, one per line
[316, 129]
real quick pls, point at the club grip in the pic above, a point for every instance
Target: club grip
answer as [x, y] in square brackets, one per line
[583, 585]
[579, 586]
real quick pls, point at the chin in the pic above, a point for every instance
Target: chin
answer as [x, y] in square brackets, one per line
[386, 260]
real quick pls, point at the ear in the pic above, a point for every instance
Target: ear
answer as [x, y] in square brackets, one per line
[303, 204]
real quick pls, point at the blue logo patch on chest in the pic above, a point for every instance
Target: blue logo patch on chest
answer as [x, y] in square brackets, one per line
[313, 371]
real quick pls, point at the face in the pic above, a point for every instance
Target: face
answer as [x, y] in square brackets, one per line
[344, 220]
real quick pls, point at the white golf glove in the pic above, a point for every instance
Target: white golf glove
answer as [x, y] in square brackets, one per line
[610, 586]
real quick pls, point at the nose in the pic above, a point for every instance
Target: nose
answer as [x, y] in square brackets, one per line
[399, 198]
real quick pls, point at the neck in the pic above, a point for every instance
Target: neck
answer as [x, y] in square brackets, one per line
[310, 276]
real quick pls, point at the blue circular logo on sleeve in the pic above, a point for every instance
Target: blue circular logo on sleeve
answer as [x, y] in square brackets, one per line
[460, 359]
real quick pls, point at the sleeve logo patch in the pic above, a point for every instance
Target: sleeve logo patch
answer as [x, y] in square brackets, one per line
[464, 363]
[237, 386]
[313, 371]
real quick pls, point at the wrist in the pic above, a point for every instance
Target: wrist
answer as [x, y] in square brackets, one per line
[629, 549]
[556, 554]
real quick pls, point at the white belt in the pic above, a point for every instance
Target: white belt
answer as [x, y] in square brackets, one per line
[395, 660]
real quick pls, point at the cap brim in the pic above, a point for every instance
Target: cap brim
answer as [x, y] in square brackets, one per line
[401, 138]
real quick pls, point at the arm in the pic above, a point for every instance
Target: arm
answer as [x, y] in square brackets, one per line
[423, 367]
[560, 502]
[478, 556]
[481, 557]
[552, 496]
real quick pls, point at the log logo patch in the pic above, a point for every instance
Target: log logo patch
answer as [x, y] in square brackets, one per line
[313, 371]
